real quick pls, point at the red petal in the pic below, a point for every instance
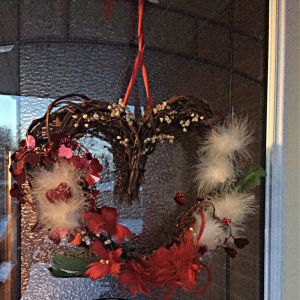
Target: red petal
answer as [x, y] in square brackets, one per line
[99, 250]
[32, 158]
[115, 268]
[77, 240]
[22, 143]
[19, 168]
[80, 163]
[61, 193]
[133, 277]
[91, 179]
[94, 221]
[30, 141]
[122, 233]
[95, 167]
[20, 179]
[110, 214]
[17, 191]
[115, 255]
[97, 270]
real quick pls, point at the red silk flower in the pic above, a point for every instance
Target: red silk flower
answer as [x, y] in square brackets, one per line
[175, 267]
[106, 220]
[134, 275]
[76, 240]
[109, 262]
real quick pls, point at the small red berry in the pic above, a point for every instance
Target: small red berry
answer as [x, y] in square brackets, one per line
[179, 198]
[227, 221]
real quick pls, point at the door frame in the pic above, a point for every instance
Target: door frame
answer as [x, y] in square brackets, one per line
[282, 210]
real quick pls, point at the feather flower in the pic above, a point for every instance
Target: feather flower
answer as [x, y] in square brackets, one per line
[175, 267]
[213, 173]
[236, 206]
[58, 211]
[228, 140]
[213, 233]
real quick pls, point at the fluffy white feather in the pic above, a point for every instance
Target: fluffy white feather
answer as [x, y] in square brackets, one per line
[60, 215]
[234, 205]
[228, 140]
[211, 173]
[213, 234]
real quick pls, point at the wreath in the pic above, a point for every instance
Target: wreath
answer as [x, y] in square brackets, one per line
[61, 175]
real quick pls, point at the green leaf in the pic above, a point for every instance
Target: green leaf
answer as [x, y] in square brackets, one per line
[251, 179]
[63, 274]
[71, 263]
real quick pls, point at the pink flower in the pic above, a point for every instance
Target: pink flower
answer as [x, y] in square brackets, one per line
[30, 142]
[64, 151]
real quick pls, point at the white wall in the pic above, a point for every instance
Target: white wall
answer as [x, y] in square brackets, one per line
[292, 150]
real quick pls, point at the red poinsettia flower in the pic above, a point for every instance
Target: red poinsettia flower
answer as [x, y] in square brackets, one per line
[106, 219]
[175, 267]
[76, 240]
[80, 163]
[109, 262]
[134, 275]
[94, 169]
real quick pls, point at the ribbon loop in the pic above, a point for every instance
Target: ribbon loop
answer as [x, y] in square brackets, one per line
[139, 61]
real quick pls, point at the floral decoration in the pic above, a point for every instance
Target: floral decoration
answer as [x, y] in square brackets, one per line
[62, 179]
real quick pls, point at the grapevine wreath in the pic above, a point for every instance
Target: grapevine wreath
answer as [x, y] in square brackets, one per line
[61, 177]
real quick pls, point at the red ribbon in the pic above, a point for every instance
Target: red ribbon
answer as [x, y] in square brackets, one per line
[109, 7]
[139, 61]
[202, 227]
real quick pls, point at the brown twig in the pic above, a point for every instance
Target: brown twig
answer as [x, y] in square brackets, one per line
[76, 115]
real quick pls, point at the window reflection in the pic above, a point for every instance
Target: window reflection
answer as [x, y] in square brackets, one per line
[12, 110]
[9, 266]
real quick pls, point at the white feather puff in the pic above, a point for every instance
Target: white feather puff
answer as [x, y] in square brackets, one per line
[230, 139]
[213, 234]
[60, 215]
[234, 205]
[213, 173]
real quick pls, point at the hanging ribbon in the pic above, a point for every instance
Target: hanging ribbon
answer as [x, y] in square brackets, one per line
[202, 227]
[139, 61]
[109, 7]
